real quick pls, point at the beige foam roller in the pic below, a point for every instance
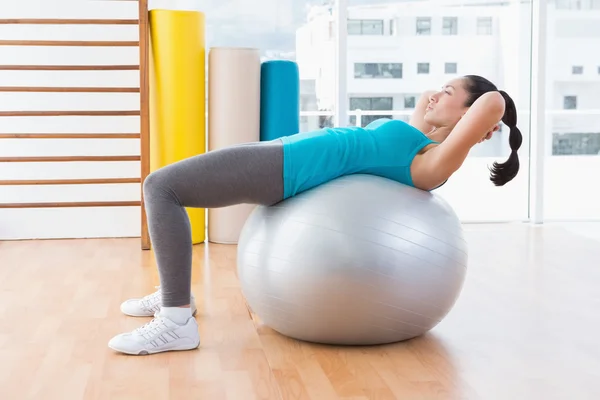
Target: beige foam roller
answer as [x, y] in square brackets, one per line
[233, 118]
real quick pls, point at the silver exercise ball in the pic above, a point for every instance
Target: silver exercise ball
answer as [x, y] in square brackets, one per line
[360, 260]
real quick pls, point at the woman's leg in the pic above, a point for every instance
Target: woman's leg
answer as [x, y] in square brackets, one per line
[248, 173]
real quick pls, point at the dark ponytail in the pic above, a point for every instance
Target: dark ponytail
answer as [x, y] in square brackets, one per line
[500, 173]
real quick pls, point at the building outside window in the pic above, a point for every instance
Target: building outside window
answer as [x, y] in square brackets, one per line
[378, 70]
[423, 25]
[365, 27]
[450, 26]
[575, 144]
[570, 102]
[484, 25]
[568, 4]
[368, 104]
[450, 68]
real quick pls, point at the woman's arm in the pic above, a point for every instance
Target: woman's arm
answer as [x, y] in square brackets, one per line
[446, 158]
[417, 119]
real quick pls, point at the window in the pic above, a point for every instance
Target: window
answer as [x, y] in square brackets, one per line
[325, 121]
[450, 68]
[423, 26]
[422, 68]
[484, 25]
[354, 27]
[568, 4]
[450, 26]
[598, 70]
[409, 101]
[570, 102]
[392, 27]
[570, 144]
[365, 27]
[378, 70]
[577, 70]
[370, 103]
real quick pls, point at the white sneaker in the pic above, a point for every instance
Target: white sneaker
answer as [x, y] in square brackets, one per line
[159, 335]
[148, 305]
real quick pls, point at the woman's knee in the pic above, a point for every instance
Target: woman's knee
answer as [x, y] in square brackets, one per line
[156, 184]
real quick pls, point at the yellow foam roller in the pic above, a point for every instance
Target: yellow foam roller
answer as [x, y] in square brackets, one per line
[177, 94]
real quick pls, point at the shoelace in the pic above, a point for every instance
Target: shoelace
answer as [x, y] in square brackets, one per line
[151, 328]
[149, 302]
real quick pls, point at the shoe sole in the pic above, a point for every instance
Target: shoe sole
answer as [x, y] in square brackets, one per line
[149, 352]
[152, 315]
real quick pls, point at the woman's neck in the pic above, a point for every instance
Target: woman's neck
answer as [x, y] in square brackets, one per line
[439, 134]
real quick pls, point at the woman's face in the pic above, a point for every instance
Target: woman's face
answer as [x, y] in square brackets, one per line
[447, 106]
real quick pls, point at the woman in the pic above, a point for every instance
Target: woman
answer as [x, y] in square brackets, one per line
[424, 153]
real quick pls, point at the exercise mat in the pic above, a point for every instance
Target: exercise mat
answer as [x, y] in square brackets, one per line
[177, 94]
[280, 99]
[233, 118]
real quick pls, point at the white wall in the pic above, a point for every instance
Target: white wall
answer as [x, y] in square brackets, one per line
[69, 222]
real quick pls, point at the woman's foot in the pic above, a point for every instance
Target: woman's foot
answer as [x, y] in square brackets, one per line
[159, 335]
[148, 305]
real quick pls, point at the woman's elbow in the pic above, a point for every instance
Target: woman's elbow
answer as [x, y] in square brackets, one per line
[494, 104]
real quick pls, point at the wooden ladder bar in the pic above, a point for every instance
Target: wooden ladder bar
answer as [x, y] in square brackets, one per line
[63, 21]
[69, 67]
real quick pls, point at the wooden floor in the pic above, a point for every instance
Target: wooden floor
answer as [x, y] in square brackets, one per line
[526, 327]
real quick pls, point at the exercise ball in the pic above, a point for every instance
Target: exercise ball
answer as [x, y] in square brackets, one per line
[361, 260]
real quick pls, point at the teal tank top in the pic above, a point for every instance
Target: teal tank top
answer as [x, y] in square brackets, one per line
[384, 148]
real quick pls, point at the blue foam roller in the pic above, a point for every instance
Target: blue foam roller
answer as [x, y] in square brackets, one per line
[279, 99]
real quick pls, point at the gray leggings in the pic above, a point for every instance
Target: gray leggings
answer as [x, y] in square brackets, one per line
[248, 173]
